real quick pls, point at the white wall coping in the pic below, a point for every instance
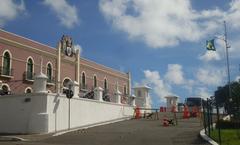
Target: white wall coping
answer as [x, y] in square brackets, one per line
[62, 96]
[91, 100]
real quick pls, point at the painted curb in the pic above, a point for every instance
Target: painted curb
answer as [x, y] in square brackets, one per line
[11, 138]
[207, 138]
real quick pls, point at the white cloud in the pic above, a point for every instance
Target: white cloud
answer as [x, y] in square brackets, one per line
[9, 10]
[237, 78]
[207, 77]
[65, 12]
[174, 74]
[234, 14]
[212, 76]
[160, 88]
[159, 23]
[164, 23]
[210, 56]
[202, 92]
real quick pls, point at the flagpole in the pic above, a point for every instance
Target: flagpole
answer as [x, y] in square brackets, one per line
[227, 57]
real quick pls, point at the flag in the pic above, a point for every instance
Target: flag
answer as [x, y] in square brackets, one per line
[210, 45]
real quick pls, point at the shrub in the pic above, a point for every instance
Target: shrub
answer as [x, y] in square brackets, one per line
[224, 124]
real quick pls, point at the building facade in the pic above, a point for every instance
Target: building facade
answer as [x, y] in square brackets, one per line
[22, 58]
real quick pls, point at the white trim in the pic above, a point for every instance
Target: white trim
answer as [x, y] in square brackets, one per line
[25, 91]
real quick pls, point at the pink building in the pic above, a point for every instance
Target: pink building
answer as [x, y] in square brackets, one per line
[22, 58]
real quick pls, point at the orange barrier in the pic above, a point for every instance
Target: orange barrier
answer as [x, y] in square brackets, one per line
[165, 109]
[137, 113]
[161, 109]
[194, 111]
[186, 113]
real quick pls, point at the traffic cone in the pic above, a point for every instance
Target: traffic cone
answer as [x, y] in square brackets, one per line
[137, 113]
[186, 112]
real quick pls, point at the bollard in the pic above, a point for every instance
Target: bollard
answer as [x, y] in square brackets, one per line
[186, 113]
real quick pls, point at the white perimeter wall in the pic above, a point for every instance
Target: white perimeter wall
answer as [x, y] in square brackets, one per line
[50, 113]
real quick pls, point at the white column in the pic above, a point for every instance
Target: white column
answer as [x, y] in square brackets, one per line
[133, 100]
[98, 94]
[75, 89]
[77, 65]
[129, 84]
[118, 96]
[40, 83]
[59, 68]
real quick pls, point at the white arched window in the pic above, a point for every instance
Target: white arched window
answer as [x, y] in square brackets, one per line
[83, 81]
[28, 90]
[125, 90]
[5, 90]
[49, 73]
[94, 81]
[30, 69]
[66, 83]
[6, 64]
[105, 84]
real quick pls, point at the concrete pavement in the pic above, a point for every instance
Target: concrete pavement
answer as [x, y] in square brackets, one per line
[131, 132]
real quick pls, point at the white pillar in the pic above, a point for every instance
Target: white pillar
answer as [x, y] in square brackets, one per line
[98, 94]
[133, 100]
[75, 89]
[40, 83]
[59, 68]
[118, 96]
[77, 57]
[129, 84]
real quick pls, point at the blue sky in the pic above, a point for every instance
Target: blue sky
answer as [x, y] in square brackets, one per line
[161, 42]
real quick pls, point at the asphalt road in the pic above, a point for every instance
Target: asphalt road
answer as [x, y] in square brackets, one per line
[131, 132]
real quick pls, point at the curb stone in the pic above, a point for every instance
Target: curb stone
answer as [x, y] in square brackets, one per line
[207, 138]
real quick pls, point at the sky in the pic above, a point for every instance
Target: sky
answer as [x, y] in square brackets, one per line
[161, 42]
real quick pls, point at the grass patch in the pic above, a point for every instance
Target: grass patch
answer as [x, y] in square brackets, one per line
[229, 136]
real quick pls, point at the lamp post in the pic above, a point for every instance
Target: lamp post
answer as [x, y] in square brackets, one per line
[227, 46]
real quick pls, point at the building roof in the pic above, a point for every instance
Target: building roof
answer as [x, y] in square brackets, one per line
[171, 96]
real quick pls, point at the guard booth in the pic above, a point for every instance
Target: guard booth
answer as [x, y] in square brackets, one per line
[172, 103]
